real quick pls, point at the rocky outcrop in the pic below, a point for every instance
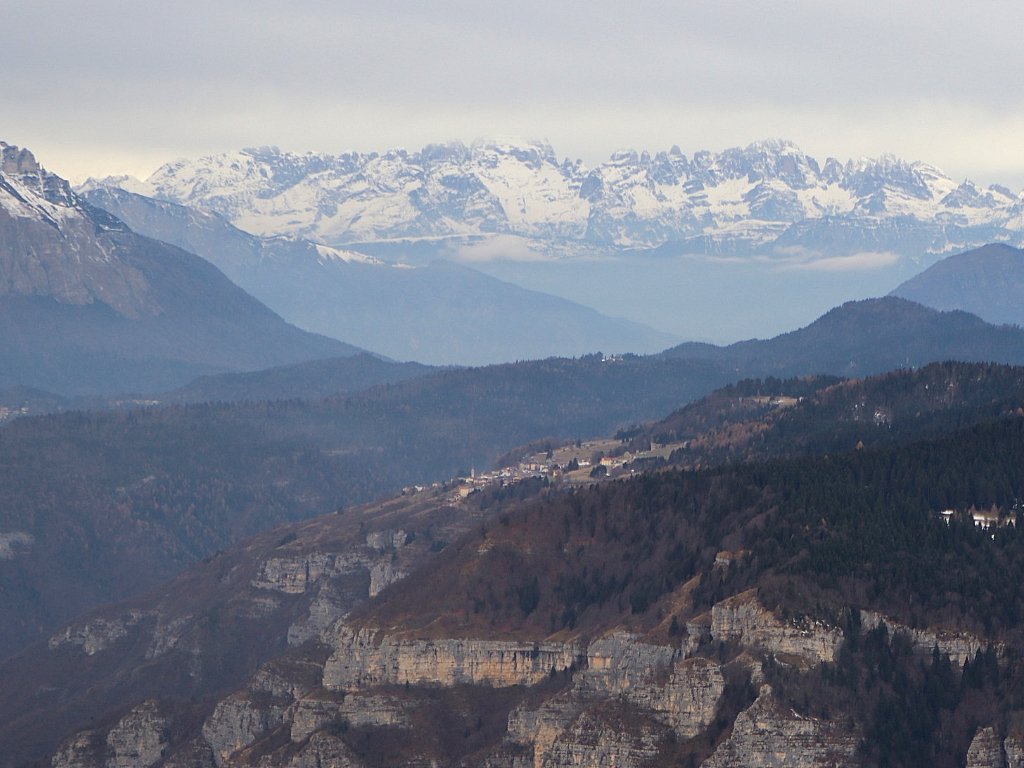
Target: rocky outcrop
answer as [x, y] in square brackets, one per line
[744, 620]
[960, 646]
[139, 739]
[97, 634]
[619, 662]
[323, 750]
[630, 696]
[682, 693]
[1013, 747]
[387, 539]
[330, 604]
[986, 751]
[240, 720]
[167, 635]
[294, 575]
[357, 710]
[383, 574]
[534, 730]
[15, 543]
[593, 741]
[195, 753]
[768, 735]
[364, 658]
[83, 750]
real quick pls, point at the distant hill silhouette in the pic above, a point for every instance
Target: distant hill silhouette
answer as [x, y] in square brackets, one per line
[987, 281]
[861, 338]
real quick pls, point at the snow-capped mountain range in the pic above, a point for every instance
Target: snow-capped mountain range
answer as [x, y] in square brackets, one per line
[769, 198]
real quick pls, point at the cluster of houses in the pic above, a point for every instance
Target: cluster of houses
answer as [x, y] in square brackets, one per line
[579, 463]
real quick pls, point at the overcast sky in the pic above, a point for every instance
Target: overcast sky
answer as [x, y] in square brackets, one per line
[111, 86]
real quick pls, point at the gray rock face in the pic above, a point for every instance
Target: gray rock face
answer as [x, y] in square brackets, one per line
[682, 693]
[590, 742]
[294, 575]
[1013, 746]
[359, 709]
[742, 619]
[536, 730]
[238, 721]
[96, 635]
[766, 735]
[323, 751]
[83, 750]
[986, 751]
[15, 543]
[49, 243]
[139, 739]
[960, 646]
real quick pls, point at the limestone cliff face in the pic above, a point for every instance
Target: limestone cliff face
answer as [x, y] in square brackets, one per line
[96, 635]
[364, 658]
[534, 731]
[1013, 746]
[594, 741]
[139, 739]
[294, 575]
[960, 646]
[743, 619]
[83, 750]
[359, 709]
[987, 751]
[239, 721]
[324, 751]
[383, 574]
[628, 699]
[682, 693]
[767, 735]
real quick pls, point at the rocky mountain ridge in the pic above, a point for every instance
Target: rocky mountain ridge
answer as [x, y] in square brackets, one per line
[768, 198]
[90, 307]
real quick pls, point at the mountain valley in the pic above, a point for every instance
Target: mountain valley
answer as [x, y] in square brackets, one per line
[438, 313]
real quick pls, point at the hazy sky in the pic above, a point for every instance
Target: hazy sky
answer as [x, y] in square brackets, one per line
[112, 86]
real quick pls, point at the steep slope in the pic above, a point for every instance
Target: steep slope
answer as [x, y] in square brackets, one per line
[821, 609]
[987, 282]
[767, 198]
[864, 337]
[440, 313]
[103, 505]
[87, 305]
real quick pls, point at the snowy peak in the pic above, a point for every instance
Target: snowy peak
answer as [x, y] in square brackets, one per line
[58, 246]
[755, 200]
[123, 181]
[29, 191]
